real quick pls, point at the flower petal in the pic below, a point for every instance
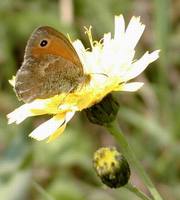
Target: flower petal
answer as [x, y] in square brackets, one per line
[140, 65]
[19, 114]
[49, 127]
[133, 32]
[131, 87]
[46, 129]
[61, 129]
[79, 47]
[12, 81]
[57, 133]
[26, 110]
[119, 28]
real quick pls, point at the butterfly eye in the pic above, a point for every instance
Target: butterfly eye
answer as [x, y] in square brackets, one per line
[43, 43]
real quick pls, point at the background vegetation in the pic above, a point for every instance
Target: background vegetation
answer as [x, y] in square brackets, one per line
[150, 118]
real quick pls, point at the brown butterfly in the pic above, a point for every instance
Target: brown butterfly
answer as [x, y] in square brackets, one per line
[51, 66]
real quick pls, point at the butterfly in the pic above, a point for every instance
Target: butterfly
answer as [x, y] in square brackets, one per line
[51, 66]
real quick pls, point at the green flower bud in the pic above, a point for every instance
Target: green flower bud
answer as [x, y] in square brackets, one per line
[111, 166]
[104, 112]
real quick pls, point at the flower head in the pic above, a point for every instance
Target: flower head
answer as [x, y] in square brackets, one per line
[110, 64]
[111, 166]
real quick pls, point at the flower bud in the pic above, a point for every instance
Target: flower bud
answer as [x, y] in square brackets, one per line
[111, 166]
[104, 112]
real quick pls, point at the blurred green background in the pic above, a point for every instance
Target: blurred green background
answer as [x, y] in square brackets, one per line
[150, 118]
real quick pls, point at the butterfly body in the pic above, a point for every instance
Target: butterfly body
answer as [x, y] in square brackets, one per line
[51, 66]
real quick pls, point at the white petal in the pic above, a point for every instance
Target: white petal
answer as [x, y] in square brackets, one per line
[19, 115]
[79, 47]
[140, 65]
[49, 127]
[24, 111]
[133, 32]
[69, 116]
[81, 51]
[46, 129]
[132, 87]
[12, 81]
[119, 28]
[106, 41]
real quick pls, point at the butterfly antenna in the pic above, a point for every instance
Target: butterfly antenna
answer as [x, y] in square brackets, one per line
[103, 74]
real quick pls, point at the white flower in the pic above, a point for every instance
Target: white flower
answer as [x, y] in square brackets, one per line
[111, 65]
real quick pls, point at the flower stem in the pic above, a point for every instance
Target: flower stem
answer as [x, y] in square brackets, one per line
[43, 192]
[133, 161]
[136, 191]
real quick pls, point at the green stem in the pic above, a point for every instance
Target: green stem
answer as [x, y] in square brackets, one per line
[136, 191]
[42, 191]
[133, 161]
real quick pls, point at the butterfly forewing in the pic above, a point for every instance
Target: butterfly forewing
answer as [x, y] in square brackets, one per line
[51, 66]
